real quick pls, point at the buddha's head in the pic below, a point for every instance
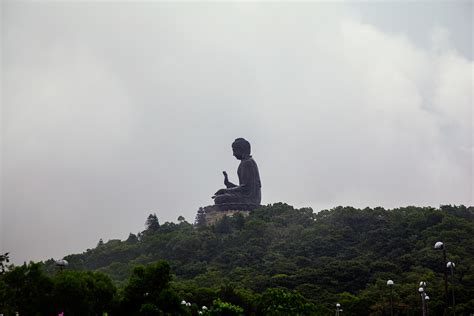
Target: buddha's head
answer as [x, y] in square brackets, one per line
[241, 148]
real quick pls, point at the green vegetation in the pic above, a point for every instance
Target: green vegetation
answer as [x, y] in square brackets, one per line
[277, 261]
[4, 259]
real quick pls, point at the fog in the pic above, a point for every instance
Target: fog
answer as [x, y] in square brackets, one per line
[113, 111]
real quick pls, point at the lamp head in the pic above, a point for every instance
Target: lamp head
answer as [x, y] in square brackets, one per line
[61, 263]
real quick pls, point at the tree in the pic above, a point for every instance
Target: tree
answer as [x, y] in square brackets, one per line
[284, 302]
[132, 239]
[83, 293]
[27, 290]
[152, 224]
[223, 226]
[149, 287]
[238, 221]
[4, 259]
[200, 220]
[220, 308]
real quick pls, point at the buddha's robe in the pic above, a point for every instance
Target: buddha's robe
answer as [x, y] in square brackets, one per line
[249, 189]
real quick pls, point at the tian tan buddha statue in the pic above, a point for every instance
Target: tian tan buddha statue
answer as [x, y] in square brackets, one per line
[247, 194]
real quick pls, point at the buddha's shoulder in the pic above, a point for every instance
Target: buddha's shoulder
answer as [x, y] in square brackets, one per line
[249, 161]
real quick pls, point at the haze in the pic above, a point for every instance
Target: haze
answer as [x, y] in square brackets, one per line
[112, 111]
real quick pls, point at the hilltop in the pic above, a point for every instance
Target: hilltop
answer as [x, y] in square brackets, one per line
[343, 254]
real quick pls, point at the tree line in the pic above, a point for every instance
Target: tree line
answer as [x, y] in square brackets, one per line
[277, 261]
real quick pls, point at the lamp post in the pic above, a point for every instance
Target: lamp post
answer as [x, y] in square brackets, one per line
[450, 265]
[427, 298]
[439, 245]
[61, 264]
[338, 309]
[423, 295]
[390, 285]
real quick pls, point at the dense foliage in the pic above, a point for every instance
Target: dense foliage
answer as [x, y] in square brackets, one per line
[4, 259]
[277, 261]
[28, 290]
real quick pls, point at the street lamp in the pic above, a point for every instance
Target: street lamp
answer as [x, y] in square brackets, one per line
[439, 245]
[338, 309]
[61, 264]
[427, 298]
[423, 295]
[390, 285]
[450, 265]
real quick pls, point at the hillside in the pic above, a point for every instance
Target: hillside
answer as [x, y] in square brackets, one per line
[343, 254]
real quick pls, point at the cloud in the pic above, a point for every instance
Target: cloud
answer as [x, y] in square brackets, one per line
[367, 125]
[112, 112]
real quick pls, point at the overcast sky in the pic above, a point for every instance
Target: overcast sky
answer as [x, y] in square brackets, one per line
[112, 111]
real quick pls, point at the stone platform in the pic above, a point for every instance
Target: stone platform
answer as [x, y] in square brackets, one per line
[209, 215]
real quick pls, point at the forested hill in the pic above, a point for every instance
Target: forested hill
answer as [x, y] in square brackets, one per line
[343, 254]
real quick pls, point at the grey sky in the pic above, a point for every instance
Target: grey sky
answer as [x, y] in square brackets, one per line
[113, 111]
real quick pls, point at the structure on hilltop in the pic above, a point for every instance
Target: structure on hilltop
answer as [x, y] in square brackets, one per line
[241, 198]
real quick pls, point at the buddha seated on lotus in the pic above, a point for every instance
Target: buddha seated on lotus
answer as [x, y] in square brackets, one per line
[248, 193]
